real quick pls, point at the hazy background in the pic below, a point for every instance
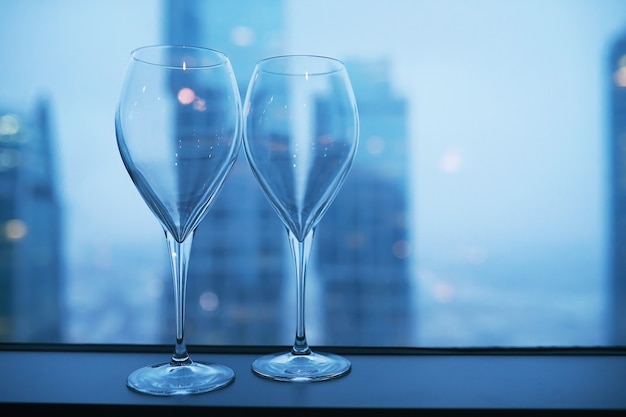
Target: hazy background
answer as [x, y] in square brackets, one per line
[508, 149]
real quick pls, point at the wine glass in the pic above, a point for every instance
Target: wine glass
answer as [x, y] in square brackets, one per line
[178, 128]
[301, 131]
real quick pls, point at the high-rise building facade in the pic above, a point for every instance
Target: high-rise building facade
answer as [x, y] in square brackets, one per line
[617, 179]
[241, 284]
[30, 229]
[238, 267]
[364, 240]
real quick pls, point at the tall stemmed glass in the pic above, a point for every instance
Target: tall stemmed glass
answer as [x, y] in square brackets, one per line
[300, 137]
[178, 128]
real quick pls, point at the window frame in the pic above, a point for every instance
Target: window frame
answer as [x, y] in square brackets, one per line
[400, 381]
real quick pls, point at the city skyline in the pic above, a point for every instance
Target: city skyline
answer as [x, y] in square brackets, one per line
[240, 260]
[492, 112]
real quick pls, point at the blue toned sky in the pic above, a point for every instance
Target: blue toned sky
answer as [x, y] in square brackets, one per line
[508, 117]
[508, 90]
[508, 106]
[75, 53]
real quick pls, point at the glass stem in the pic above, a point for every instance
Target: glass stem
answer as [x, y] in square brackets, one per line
[300, 251]
[179, 256]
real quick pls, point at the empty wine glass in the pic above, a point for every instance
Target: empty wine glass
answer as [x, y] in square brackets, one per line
[300, 138]
[178, 128]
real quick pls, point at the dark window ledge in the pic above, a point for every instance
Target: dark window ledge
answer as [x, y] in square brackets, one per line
[569, 381]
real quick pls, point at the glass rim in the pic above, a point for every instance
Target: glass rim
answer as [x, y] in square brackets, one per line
[331, 66]
[218, 58]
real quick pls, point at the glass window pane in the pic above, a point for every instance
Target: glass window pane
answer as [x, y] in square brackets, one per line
[485, 207]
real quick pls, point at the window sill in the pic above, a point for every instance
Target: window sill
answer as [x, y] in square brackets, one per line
[431, 381]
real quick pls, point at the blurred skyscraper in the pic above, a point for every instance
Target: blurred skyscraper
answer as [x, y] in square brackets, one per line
[30, 231]
[238, 265]
[617, 158]
[241, 276]
[245, 30]
[363, 241]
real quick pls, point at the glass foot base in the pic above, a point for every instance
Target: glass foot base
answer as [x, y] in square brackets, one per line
[193, 378]
[301, 368]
